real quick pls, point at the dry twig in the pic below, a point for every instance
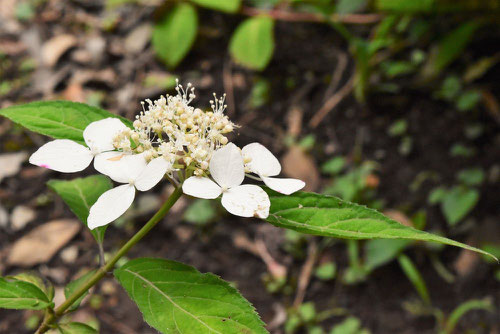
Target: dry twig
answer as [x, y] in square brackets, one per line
[331, 103]
[305, 273]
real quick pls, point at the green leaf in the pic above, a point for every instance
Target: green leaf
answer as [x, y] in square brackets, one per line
[349, 6]
[462, 309]
[74, 285]
[76, 328]
[471, 176]
[15, 294]
[415, 278]
[37, 281]
[80, 194]
[350, 325]
[468, 100]
[330, 216]
[437, 195]
[228, 6]
[307, 311]
[398, 128]
[333, 166]
[458, 202]
[381, 251]
[174, 35]
[326, 271]
[176, 298]
[449, 48]
[252, 44]
[57, 119]
[200, 212]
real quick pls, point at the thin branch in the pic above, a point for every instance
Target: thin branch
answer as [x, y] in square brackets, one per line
[305, 273]
[331, 103]
[284, 15]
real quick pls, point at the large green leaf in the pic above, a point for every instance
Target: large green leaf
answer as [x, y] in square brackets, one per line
[80, 194]
[330, 216]
[252, 44]
[57, 119]
[176, 298]
[174, 35]
[75, 285]
[228, 6]
[15, 294]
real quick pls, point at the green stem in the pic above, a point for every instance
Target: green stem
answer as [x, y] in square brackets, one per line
[50, 319]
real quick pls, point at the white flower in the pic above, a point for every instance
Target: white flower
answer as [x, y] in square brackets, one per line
[265, 164]
[226, 168]
[136, 173]
[67, 156]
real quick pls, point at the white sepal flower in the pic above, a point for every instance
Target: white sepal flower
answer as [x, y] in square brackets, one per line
[136, 173]
[67, 156]
[265, 164]
[226, 167]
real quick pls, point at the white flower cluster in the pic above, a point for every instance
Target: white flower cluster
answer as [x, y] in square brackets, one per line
[184, 136]
[227, 168]
[170, 135]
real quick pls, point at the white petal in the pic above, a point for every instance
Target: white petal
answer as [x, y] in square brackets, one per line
[111, 205]
[201, 187]
[62, 155]
[120, 167]
[247, 200]
[99, 135]
[263, 162]
[103, 160]
[284, 186]
[152, 174]
[226, 166]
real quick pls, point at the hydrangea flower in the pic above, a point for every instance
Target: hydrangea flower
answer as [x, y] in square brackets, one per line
[170, 135]
[263, 163]
[67, 156]
[183, 135]
[136, 173]
[226, 168]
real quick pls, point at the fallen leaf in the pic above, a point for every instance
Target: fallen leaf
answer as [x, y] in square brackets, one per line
[74, 92]
[43, 242]
[138, 38]
[69, 254]
[466, 262]
[54, 48]
[299, 165]
[21, 215]
[8, 9]
[4, 217]
[10, 163]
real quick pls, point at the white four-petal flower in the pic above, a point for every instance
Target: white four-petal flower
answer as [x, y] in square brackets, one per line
[136, 173]
[67, 156]
[226, 168]
[265, 164]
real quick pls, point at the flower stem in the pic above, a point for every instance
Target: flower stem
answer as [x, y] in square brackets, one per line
[50, 319]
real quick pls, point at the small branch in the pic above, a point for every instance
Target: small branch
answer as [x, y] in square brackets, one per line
[331, 103]
[305, 273]
[99, 274]
[289, 16]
